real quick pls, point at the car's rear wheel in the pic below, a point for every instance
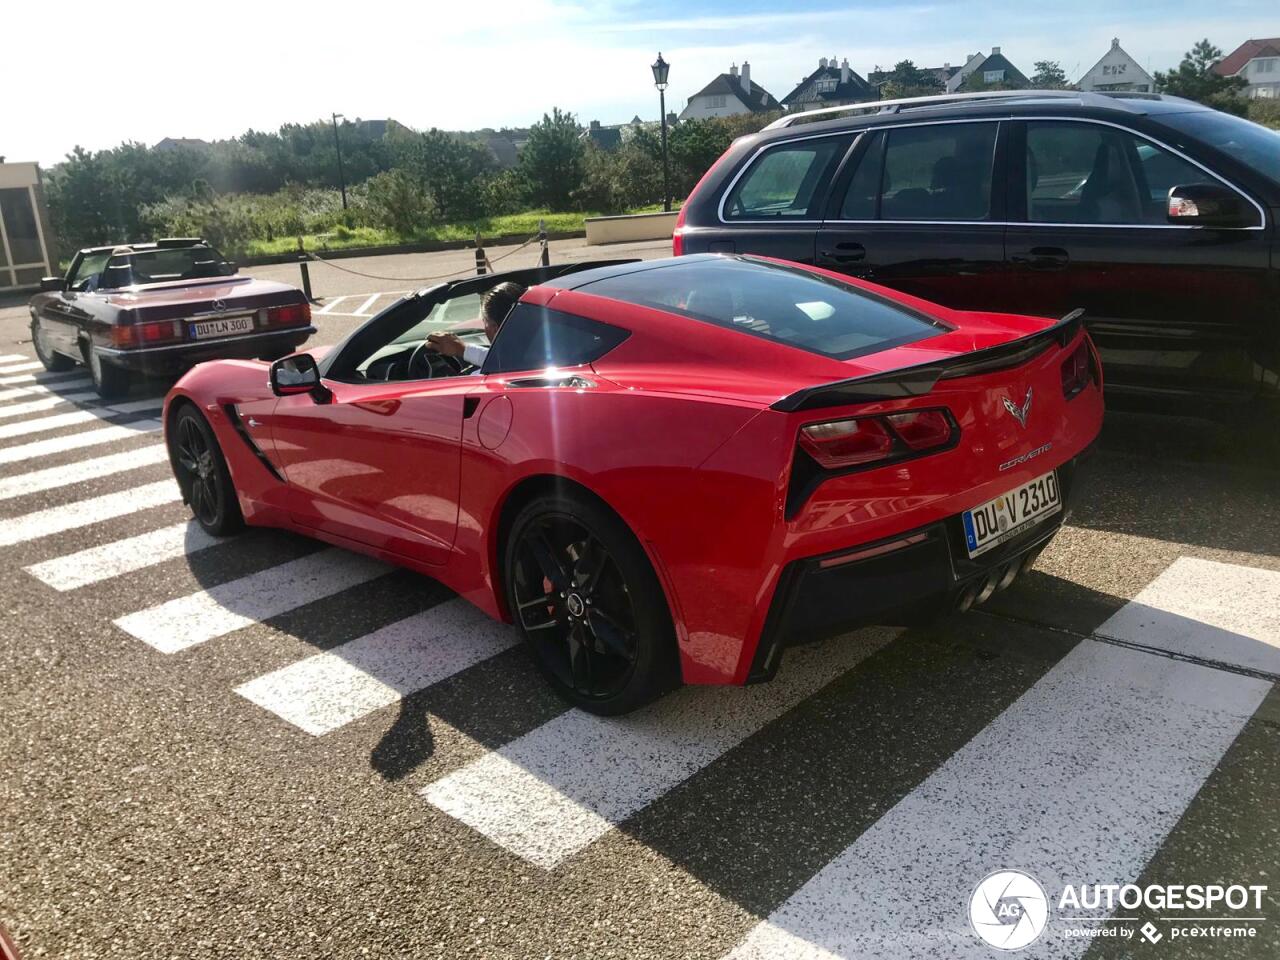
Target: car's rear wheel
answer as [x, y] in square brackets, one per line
[110, 381]
[586, 599]
[202, 474]
[53, 362]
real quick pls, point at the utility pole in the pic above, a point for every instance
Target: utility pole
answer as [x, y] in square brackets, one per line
[342, 178]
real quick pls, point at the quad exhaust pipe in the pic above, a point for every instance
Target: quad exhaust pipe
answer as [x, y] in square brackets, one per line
[999, 579]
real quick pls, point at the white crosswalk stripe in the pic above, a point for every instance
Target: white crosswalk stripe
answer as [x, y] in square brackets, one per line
[109, 560]
[1078, 781]
[14, 392]
[77, 441]
[47, 522]
[555, 790]
[9, 411]
[19, 368]
[59, 420]
[327, 691]
[13, 358]
[211, 613]
[80, 471]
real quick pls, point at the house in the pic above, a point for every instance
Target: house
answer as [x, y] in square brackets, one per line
[944, 73]
[1258, 63]
[971, 63]
[830, 86]
[1117, 71]
[170, 144]
[989, 70]
[606, 138]
[730, 94]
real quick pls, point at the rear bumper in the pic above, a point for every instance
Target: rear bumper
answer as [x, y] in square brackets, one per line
[906, 579]
[178, 357]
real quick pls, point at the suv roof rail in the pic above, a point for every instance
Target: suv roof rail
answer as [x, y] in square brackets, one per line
[942, 99]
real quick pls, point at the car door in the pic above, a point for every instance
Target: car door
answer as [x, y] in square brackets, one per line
[1174, 309]
[915, 209]
[774, 206]
[63, 313]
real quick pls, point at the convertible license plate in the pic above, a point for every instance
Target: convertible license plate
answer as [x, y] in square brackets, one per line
[222, 327]
[1011, 513]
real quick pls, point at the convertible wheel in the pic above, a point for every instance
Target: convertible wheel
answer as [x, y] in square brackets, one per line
[53, 362]
[109, 380]
[202, 474]
[589, 605]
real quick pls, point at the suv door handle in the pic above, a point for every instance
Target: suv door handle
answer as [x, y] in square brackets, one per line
[1041, 258]
[847, 251]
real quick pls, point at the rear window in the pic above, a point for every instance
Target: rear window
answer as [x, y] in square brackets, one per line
[783, 182]
[1250, 143]
[784, 304]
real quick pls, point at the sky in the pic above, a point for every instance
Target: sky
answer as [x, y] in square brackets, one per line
[95, 75]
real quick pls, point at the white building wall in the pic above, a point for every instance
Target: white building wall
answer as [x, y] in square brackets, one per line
[1117, 71]
[704, 108]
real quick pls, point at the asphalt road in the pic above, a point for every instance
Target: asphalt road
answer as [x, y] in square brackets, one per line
[264, 748]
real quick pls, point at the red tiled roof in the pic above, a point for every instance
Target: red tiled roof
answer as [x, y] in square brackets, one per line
[1234, 62]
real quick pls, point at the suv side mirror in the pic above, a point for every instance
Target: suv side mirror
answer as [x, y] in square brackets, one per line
[1209, 205]
[50, 284]
[297, 374]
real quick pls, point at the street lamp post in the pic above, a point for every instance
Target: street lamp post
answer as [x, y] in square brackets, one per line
[337, 141]
[660, 68]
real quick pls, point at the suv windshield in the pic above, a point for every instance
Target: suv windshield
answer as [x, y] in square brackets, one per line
[164, 264]
[786, 304]
[1250, 143]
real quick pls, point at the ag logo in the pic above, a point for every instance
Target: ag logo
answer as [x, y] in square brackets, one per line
[1008, 910]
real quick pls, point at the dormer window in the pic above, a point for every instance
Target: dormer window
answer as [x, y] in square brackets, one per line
[826, 85]
[993, 76]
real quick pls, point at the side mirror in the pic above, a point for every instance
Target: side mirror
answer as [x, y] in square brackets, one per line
[50, 284]
[1209, 205]
[297, 374]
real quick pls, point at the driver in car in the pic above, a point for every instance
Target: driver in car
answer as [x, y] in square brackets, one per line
[494, 307]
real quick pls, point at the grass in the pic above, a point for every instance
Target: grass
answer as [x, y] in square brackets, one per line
[353, 238]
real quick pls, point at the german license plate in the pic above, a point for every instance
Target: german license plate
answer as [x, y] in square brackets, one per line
[1011, 513]
[222, 327]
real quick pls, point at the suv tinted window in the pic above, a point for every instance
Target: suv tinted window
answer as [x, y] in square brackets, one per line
[534, 338]
[938, 172]
[1088, 173]
[786, 304]
[784, 180]
[1250, 143]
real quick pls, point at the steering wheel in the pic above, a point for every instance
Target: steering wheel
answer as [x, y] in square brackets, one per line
[427, 360]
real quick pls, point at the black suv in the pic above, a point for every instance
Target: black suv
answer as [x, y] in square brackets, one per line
[1155, 214]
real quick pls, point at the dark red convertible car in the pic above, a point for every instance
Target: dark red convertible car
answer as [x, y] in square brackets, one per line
[157, 309]
[665, 471]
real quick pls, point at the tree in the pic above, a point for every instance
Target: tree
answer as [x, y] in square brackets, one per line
[1049, 75]
[908, 80]
[1194, 79]
[450, 170]
[552, 161]
[396, 201]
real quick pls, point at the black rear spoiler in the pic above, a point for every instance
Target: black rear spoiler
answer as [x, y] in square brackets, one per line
[918, 380]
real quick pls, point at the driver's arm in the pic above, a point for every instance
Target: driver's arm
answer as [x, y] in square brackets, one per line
[451, 345]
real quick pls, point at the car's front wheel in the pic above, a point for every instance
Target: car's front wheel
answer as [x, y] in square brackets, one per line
[110, 381]
[53, 362]
[202, 473]
[590, 607]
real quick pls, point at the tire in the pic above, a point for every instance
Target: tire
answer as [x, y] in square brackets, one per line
[202, 474]
[110, 381]
[603, 638]
[53, 362]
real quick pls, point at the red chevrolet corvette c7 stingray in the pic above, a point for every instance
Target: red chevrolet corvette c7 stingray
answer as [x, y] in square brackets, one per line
[665, 471]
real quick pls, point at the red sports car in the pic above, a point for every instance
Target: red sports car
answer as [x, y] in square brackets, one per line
[665, 471]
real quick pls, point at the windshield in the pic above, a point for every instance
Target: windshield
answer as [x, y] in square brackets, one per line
[786, 304]
[1248, 142]
[164, 264]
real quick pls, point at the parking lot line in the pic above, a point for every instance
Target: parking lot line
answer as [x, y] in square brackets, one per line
[360, 310]
[329, 690]
[564, 785]
[193, 619]
[47, 522]
[50, 478]
[328, 307]
[1220, 612]
[14, 392]
[1079, 782]
[77, 441]
[119, 557]
[8, 411]
[59, 420]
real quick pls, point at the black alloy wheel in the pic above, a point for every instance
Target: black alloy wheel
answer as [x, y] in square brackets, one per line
[586, 599]
[202, 474]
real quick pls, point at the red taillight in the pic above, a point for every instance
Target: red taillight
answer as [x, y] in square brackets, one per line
[289, 315]
[837, 444]
[146, 334]
[921, 429]
[1077, 370]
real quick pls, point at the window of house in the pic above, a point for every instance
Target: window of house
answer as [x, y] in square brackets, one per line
[938, 172]
[715, 101]
[784, 181]
[993, 76]
[535, 338]
[825, 85]
[1087, 173]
